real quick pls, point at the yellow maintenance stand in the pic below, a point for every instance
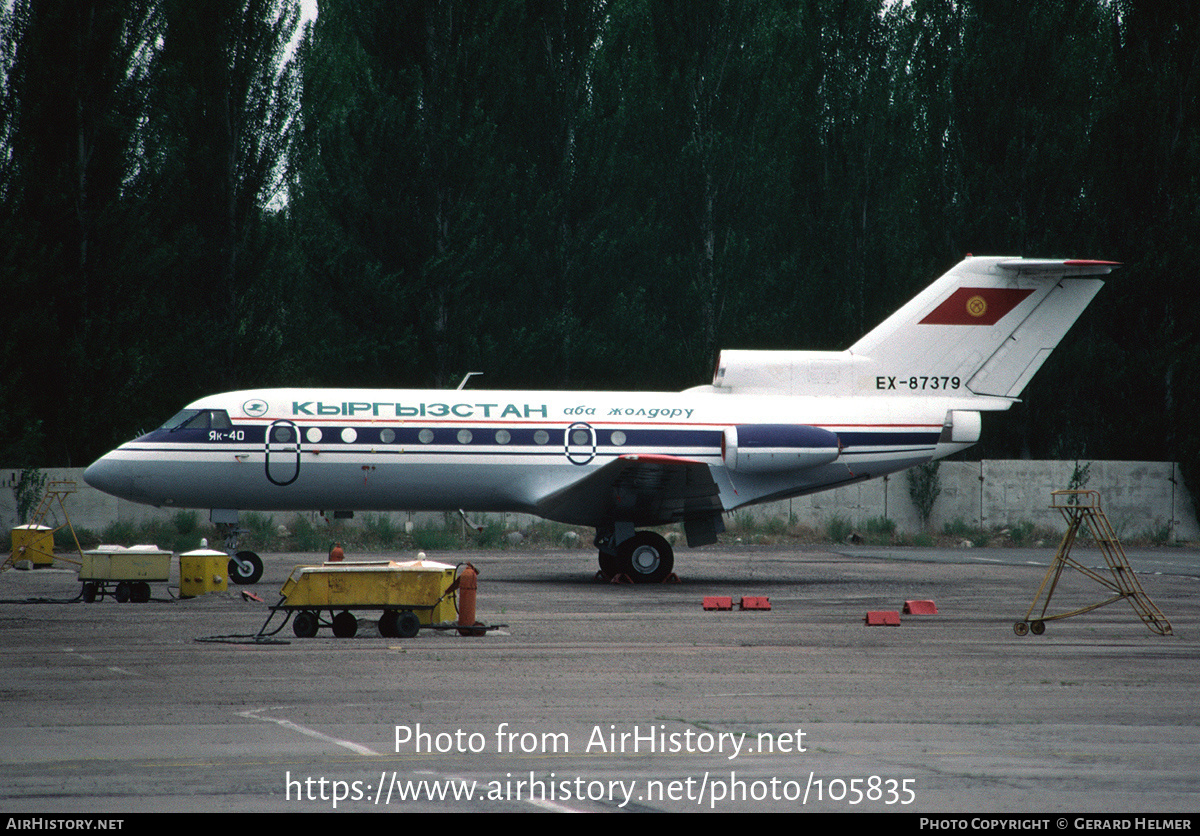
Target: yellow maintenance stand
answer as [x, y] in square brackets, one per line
[34, 541]
[410, 594]
[1078, 508]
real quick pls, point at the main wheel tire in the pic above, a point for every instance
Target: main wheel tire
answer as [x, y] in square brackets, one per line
[345, 625]
[304, 624]
[609, 564]
[646, 557]
[247, 569]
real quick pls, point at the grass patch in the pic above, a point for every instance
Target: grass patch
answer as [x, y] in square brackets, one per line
[960, 529]
[879, 531]
[1021, 533]
[838, 529]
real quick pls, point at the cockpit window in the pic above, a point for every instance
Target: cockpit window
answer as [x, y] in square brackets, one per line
[199, 419]
[180, 419]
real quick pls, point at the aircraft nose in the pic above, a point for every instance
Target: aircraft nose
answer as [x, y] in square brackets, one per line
[106, 475]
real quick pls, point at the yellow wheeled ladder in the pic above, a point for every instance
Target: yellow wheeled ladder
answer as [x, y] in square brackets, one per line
[1078, 507]
[55, 492]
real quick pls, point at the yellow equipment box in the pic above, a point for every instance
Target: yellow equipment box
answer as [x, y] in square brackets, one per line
[34, 543]
[416, 585]
[202, 571]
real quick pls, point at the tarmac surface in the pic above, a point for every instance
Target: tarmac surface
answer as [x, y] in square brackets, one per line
[600, 697]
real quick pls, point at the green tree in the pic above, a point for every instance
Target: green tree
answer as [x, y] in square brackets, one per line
[213, 155]
[73, 92]
[391, 138]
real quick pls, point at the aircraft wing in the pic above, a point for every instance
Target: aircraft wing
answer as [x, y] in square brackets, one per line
[644, 489]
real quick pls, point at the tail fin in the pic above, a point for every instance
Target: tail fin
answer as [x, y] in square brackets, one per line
[988, 324]
[984, 328]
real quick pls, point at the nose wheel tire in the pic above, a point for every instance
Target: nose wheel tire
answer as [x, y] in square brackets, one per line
[247, 568]
[646, 557]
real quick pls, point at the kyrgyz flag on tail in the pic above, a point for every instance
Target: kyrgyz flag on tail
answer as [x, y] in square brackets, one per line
[976, 306]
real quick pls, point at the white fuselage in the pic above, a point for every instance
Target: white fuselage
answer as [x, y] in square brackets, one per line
[480, 450]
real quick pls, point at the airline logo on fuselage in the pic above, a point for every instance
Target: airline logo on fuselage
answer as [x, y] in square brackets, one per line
[390, 409]
[258, 408]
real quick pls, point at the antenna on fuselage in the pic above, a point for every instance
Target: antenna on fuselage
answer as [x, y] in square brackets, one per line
[467, 377]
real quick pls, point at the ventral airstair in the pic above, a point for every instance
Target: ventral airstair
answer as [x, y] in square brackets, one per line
[1082, 508]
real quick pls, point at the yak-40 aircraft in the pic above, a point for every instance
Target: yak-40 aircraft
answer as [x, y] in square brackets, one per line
[771, 425]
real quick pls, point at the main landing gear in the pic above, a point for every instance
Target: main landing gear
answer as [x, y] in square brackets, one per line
[642, 556]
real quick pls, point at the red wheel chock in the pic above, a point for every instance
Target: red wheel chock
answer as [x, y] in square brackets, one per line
[920, 608]
[882, 618]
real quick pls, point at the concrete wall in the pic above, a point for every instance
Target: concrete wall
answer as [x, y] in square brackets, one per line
[1140, 498]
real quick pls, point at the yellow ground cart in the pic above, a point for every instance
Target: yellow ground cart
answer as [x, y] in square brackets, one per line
[409, 594]
[125, 574]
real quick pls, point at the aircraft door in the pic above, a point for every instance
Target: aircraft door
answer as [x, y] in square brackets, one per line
[283, 453]
[580, 443]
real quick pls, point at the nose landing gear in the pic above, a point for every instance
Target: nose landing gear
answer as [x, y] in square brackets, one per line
[244, 567]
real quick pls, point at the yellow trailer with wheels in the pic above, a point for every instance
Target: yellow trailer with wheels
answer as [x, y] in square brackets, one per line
[409, 594]
[126, 574]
